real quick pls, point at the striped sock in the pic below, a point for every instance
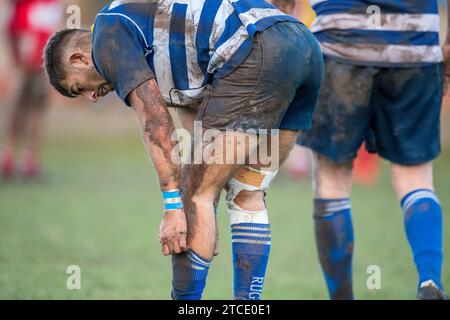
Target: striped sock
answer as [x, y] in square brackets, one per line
[423, 226]
[334, 240]
[251, 248]
[189, 276]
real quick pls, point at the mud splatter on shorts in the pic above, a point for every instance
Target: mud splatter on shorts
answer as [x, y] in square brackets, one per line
[276, 87]
[394, 110]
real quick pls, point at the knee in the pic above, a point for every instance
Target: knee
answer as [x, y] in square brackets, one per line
[408, 178]
[195, 190]
[247, 189]
[197, 201]
[250, 200]
[200, 218]
[331, 179]
[199, 198]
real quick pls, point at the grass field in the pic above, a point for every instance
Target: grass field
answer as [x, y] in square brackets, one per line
[98, 207]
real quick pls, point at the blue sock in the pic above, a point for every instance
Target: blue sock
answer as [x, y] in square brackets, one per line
[251, 248]
[423, 226]
[334, 240]
[189, 276]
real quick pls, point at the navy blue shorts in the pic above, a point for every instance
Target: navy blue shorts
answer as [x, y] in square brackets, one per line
[395, 111]
[276, 87]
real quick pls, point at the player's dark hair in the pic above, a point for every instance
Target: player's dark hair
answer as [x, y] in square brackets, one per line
[53, 58]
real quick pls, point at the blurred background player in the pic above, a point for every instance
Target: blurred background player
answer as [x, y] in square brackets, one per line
[383, 85]
[30, 25]
[366, 167]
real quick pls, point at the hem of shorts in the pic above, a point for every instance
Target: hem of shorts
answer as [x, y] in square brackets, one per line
[384, 155]
[409, 162]
[373, 64]
[302, 126]
[339, 159]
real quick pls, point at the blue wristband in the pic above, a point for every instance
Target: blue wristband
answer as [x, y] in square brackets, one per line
[172, 200]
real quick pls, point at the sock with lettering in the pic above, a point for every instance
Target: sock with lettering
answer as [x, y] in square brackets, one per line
[251, 238]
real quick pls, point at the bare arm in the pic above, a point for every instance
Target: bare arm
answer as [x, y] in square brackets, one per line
[157, 129]
[157, 126]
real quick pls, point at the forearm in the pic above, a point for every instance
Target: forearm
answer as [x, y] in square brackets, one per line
[157, 128]
[158, 142]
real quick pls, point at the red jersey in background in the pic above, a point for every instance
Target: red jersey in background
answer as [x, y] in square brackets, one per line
[31, 23]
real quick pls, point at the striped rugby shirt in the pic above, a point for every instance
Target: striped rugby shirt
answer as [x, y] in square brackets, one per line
[406, 34]
[180, 43]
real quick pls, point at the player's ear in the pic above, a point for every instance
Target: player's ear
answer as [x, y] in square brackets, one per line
[77, 58]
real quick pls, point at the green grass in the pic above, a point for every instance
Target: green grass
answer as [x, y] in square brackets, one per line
[98, 207]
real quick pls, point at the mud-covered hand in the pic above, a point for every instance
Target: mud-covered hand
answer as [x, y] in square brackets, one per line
[173, 231]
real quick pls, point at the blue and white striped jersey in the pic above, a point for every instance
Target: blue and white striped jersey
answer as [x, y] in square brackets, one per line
[180, 42]
[383, 33]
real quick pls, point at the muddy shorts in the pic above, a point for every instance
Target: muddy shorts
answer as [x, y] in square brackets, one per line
[394, 110]
[276, 87]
